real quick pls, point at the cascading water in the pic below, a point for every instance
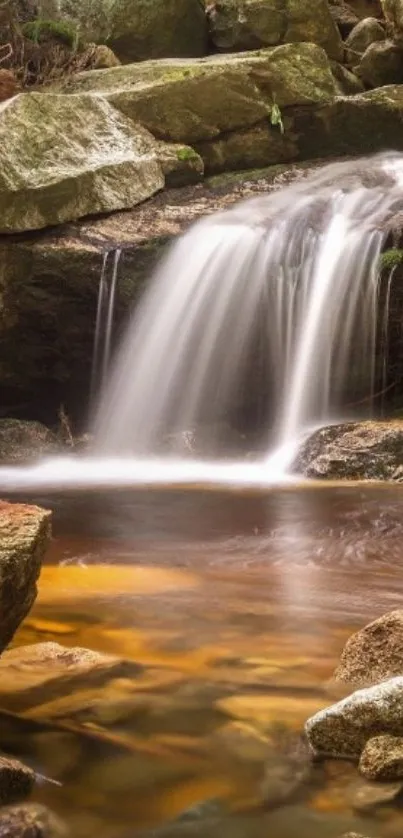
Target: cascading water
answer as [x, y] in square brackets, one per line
[104, 323]
[297, 268]
[306, 256]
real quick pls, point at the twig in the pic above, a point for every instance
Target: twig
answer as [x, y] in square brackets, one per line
[375, 396]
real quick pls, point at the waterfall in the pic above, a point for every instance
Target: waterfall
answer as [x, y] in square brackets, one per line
[282, 293]
[304, 263]
[101, 356]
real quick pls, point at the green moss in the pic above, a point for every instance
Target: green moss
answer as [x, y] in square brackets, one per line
[391, 258]
[43, 31]
[187, 153]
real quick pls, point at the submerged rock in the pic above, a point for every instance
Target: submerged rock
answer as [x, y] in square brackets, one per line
[24, 537]
[22, 441]
[375, 653]
[368, 797]
[236, 25]
[382, 758]
[62, 158]
[343, 729]
[31, 676]
[30, 820]
[353, 451]
[16, 781]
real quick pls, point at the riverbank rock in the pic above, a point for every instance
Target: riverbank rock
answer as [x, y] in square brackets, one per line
[16, 781]
[24, 537]
[23, 441]
[236, 25]
[343, 729]
[30, 820]
[381, 64]
[65, 157]
[365, 33]
[353, 451]
[375, 653]
[140, 30]
[220, 106]
[382, 758]
[359, 124]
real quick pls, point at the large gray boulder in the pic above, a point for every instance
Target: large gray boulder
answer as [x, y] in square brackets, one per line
[343, 729]
[249, 24]
[138, 30]
[24, 537]
[62, 158]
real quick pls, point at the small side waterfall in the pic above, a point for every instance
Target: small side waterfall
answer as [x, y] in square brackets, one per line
[101, 357]
[304, 261]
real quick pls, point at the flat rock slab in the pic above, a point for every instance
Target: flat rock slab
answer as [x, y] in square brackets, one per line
[41, 673]
[24, 537]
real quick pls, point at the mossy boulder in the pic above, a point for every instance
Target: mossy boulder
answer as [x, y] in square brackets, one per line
[216, 100]
[360, 124]
[142, 29]
[24, 537]
[65, 157]
[249, 24]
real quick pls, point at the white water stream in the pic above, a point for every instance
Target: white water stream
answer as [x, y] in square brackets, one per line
[304, 262]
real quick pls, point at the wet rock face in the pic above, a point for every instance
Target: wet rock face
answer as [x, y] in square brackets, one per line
[375, 653]
[353, 451]
[343, 729]
[24, 537]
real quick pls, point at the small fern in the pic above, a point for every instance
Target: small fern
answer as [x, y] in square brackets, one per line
[276, 118]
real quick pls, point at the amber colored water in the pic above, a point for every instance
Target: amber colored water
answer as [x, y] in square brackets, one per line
[237, 606]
